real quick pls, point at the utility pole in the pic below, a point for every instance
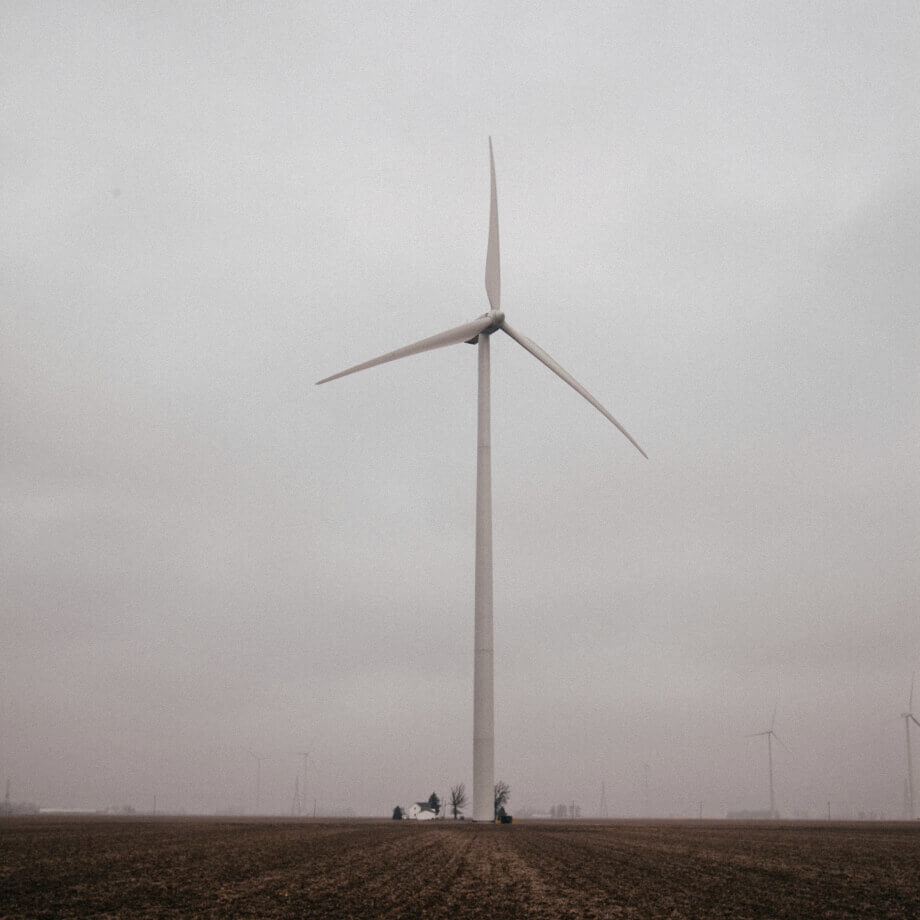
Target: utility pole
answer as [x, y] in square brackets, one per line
[303, 788]
[701, 811]
[645, 771]
[258, 761]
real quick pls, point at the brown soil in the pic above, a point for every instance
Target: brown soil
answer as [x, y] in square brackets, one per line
[169, 867]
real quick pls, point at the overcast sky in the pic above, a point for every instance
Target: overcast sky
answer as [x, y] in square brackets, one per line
[710, 215]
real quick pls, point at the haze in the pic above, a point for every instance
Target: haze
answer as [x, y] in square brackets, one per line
[710, 215]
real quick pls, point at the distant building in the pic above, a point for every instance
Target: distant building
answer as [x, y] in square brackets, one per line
[420, 811]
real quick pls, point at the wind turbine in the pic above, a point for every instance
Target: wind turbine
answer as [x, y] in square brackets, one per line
[479, 331]
[770, 736]
[908, 717]
[297, 803]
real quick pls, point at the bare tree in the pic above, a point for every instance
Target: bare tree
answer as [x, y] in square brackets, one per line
[457, 799]
[502, 794]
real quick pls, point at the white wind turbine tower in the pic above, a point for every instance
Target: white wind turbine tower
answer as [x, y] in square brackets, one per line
[479, 331]
[908, 717]
[770, 736]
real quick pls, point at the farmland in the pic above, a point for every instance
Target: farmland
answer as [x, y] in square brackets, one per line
[171, 867]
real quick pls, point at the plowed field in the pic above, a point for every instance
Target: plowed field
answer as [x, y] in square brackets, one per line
[164, 867]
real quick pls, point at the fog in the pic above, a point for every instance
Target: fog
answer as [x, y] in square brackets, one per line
[710, 215]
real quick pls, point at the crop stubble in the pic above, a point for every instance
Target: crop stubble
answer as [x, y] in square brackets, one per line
[217, 868]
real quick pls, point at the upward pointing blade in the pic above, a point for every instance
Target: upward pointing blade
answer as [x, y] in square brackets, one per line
[559, 371]
[910, 704]
[493, 265]
[442, 339]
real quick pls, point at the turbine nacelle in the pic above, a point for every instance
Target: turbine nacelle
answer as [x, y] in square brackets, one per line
[497, 318]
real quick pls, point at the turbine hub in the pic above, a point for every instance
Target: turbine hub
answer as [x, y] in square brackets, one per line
[497, 318]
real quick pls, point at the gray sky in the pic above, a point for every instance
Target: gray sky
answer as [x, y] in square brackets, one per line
[710, 214]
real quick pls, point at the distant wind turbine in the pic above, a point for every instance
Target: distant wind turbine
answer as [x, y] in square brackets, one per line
[909, 717]
[297, 803]
[479, 331]
[770, 736]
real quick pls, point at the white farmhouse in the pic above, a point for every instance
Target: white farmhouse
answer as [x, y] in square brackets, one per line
[420, 811]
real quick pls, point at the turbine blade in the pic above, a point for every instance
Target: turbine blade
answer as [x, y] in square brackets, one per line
[773, 720]
[757, 735]
[780, 740]
[914, 718]
[493, 263]
[910, 705]
[559, 371]
[442, 339]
